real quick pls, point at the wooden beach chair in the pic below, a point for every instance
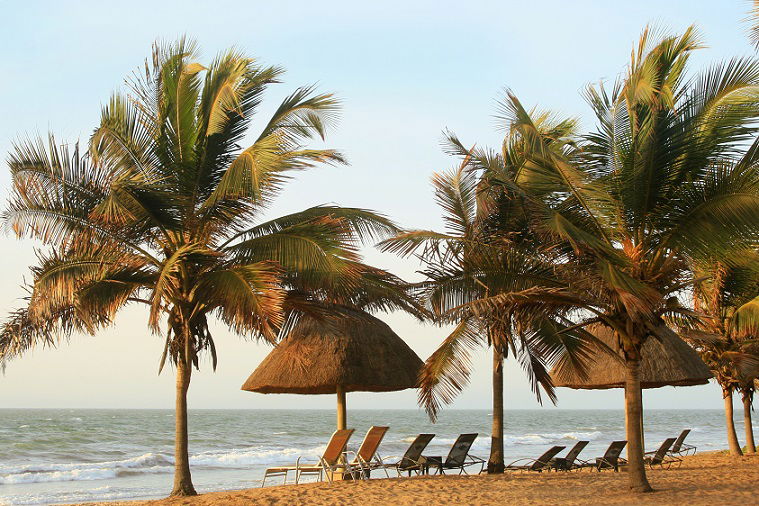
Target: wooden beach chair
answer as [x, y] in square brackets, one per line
[610, 460]
[680, 448]
[330, 462]
[458, 457]
[538, 464]
[568, 461]
[367, 457]
[660, 457]
[412, 460]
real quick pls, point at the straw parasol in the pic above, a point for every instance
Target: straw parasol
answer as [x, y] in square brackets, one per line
[668, 361]
[348, 352]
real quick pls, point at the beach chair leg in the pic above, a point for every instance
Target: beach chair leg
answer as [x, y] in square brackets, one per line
[263, 482]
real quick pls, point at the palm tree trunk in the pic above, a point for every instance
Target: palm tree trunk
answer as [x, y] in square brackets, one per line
[633, 427]
[732, 437]
[495, 462]
[182, 478]
[747, 424]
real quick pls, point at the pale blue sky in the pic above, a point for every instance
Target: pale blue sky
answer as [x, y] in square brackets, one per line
[405, 71]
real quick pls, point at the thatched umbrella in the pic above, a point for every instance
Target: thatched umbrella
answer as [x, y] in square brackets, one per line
[667, 361]
[351, 351]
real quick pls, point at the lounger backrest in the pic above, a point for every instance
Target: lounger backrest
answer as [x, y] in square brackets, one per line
[614, 451]
[336, 445]
[575, 451]
[679, 441]
[543, 460]
[414, 452]
[460, 449]
[662, 451]
[371, 442]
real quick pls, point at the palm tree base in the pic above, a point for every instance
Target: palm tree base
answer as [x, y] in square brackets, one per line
[641, 489]
[183, 491]
[495, 468]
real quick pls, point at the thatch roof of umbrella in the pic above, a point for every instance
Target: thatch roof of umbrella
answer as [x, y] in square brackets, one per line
[666, 361]
[354, 350]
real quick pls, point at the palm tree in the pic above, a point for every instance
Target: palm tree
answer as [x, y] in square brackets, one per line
[747, 391]
[474, 271]
[165, 211]
[665, 179]
[726, 296]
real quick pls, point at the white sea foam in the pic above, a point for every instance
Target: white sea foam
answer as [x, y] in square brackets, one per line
[151, 463]
[85, 471]
[106, 493]
[241, 458]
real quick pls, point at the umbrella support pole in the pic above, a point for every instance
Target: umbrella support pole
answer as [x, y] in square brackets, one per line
[341, 412]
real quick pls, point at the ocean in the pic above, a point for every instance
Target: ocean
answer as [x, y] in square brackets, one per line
[74, 455]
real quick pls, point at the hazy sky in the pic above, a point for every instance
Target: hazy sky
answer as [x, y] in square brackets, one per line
[405, 71]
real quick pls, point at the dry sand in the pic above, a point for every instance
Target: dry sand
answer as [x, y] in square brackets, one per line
[709, 478]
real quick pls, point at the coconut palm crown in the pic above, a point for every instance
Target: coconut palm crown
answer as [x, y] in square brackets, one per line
[165, 209]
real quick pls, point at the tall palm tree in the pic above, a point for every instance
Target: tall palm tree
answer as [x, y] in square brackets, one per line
[747, 390]
[165, 209]
[474, 271]
[728, 297]
[665, 179]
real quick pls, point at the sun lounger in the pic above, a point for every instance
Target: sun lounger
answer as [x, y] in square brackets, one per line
[538, 464]
[367, 457]
[661, 456]
[569, 461]
[458, 457]
[412, 460]
[610, 460]
[680, 448]
[330, 462]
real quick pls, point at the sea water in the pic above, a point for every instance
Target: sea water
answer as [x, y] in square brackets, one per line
[72, 455]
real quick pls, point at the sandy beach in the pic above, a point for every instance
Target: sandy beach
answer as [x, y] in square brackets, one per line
[708, 478]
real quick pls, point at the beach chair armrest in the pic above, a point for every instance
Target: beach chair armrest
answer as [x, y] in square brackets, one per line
[407, 462]
[529, 461]
[603, 460]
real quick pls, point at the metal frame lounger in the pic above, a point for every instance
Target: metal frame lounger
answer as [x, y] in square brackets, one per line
[610, 460]
[458, 457]
[538, 464]
[412, 460]
[661, 456]
[367, 457]
[680, 448]
[330, 462]
[568, 462]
